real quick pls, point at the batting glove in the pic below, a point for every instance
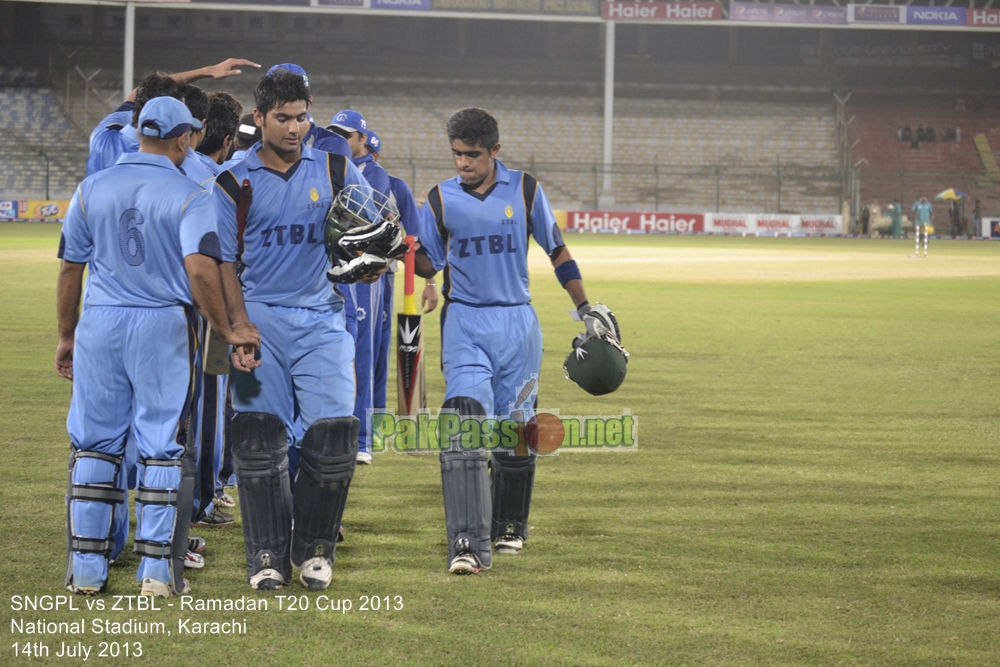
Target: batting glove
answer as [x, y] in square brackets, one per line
[600, 321]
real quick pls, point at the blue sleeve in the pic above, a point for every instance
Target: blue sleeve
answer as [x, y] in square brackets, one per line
[225, 219]
[106, 142]
[409, 215]
[331, 142]
[76, 244]
[378, 178]
[199, 231]
[430, 238]
[545, 231]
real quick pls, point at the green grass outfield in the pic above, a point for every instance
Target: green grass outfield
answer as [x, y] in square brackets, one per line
[816, 481]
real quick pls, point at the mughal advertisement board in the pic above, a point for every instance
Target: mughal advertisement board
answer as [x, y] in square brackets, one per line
[773, 223]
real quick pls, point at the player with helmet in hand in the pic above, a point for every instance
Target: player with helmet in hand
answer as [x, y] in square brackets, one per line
[476, 227]
[294, 428]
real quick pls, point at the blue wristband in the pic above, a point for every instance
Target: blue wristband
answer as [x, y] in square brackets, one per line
[568, 271]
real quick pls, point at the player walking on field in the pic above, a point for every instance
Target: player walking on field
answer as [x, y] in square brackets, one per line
[149, 236]
[476, 228]
[272, 210]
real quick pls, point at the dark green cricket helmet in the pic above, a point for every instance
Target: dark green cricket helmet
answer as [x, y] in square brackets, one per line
[597, 364]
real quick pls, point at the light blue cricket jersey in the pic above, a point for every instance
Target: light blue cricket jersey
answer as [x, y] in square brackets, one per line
[409, 214]
[923, 212]
[284, 258]
[210, 164]
[195, 169]
[112, 137]
[481, 241]
[373, 172]
[134, 223]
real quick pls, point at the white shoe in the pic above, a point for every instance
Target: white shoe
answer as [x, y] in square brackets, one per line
[194, 561]
[84, 590]
[508, 544]
[267, 580]
[159, 589]
[225, 500]
[364, 458]
[317, 573]
[464, 563]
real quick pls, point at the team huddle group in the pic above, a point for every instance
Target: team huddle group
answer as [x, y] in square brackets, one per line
[236, 320]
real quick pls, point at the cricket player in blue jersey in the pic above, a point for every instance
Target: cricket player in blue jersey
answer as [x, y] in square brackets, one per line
[246, 136]
[210, 394]
[116, 133]
[221, 125]
[409, 217]
[315, 136]
[476, 227]
[365, 303]
[294, 421]
[148, 235]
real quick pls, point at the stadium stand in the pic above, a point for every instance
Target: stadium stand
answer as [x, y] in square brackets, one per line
[44, 154]
[688, 153]
[891, 168]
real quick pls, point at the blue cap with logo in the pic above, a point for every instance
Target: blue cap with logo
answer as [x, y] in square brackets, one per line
[350, 121]
[291, 68]
[166, 118]
[374, 143]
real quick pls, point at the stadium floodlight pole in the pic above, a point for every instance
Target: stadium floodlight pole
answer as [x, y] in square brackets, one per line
[128, 74]
[609, 107]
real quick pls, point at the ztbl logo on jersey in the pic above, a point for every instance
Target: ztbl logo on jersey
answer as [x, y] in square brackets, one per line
[509, 211]
[314, 195]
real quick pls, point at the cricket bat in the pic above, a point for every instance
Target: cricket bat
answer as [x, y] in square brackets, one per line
[410, 387]
[216, 354]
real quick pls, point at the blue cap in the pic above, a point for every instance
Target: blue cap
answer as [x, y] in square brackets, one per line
[349, 120]
[374, 143]
[291, 68]
[166, 118]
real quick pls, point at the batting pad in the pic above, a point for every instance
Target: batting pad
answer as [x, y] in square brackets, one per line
[260, 452]
[329, 455]
[513, 479]
[467, 503]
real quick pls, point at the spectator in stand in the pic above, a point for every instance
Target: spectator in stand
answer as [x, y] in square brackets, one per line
[930, 134]
[921, 133]
[977, 217]
[907, 134]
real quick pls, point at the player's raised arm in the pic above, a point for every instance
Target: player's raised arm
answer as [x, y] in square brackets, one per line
[227, 68]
